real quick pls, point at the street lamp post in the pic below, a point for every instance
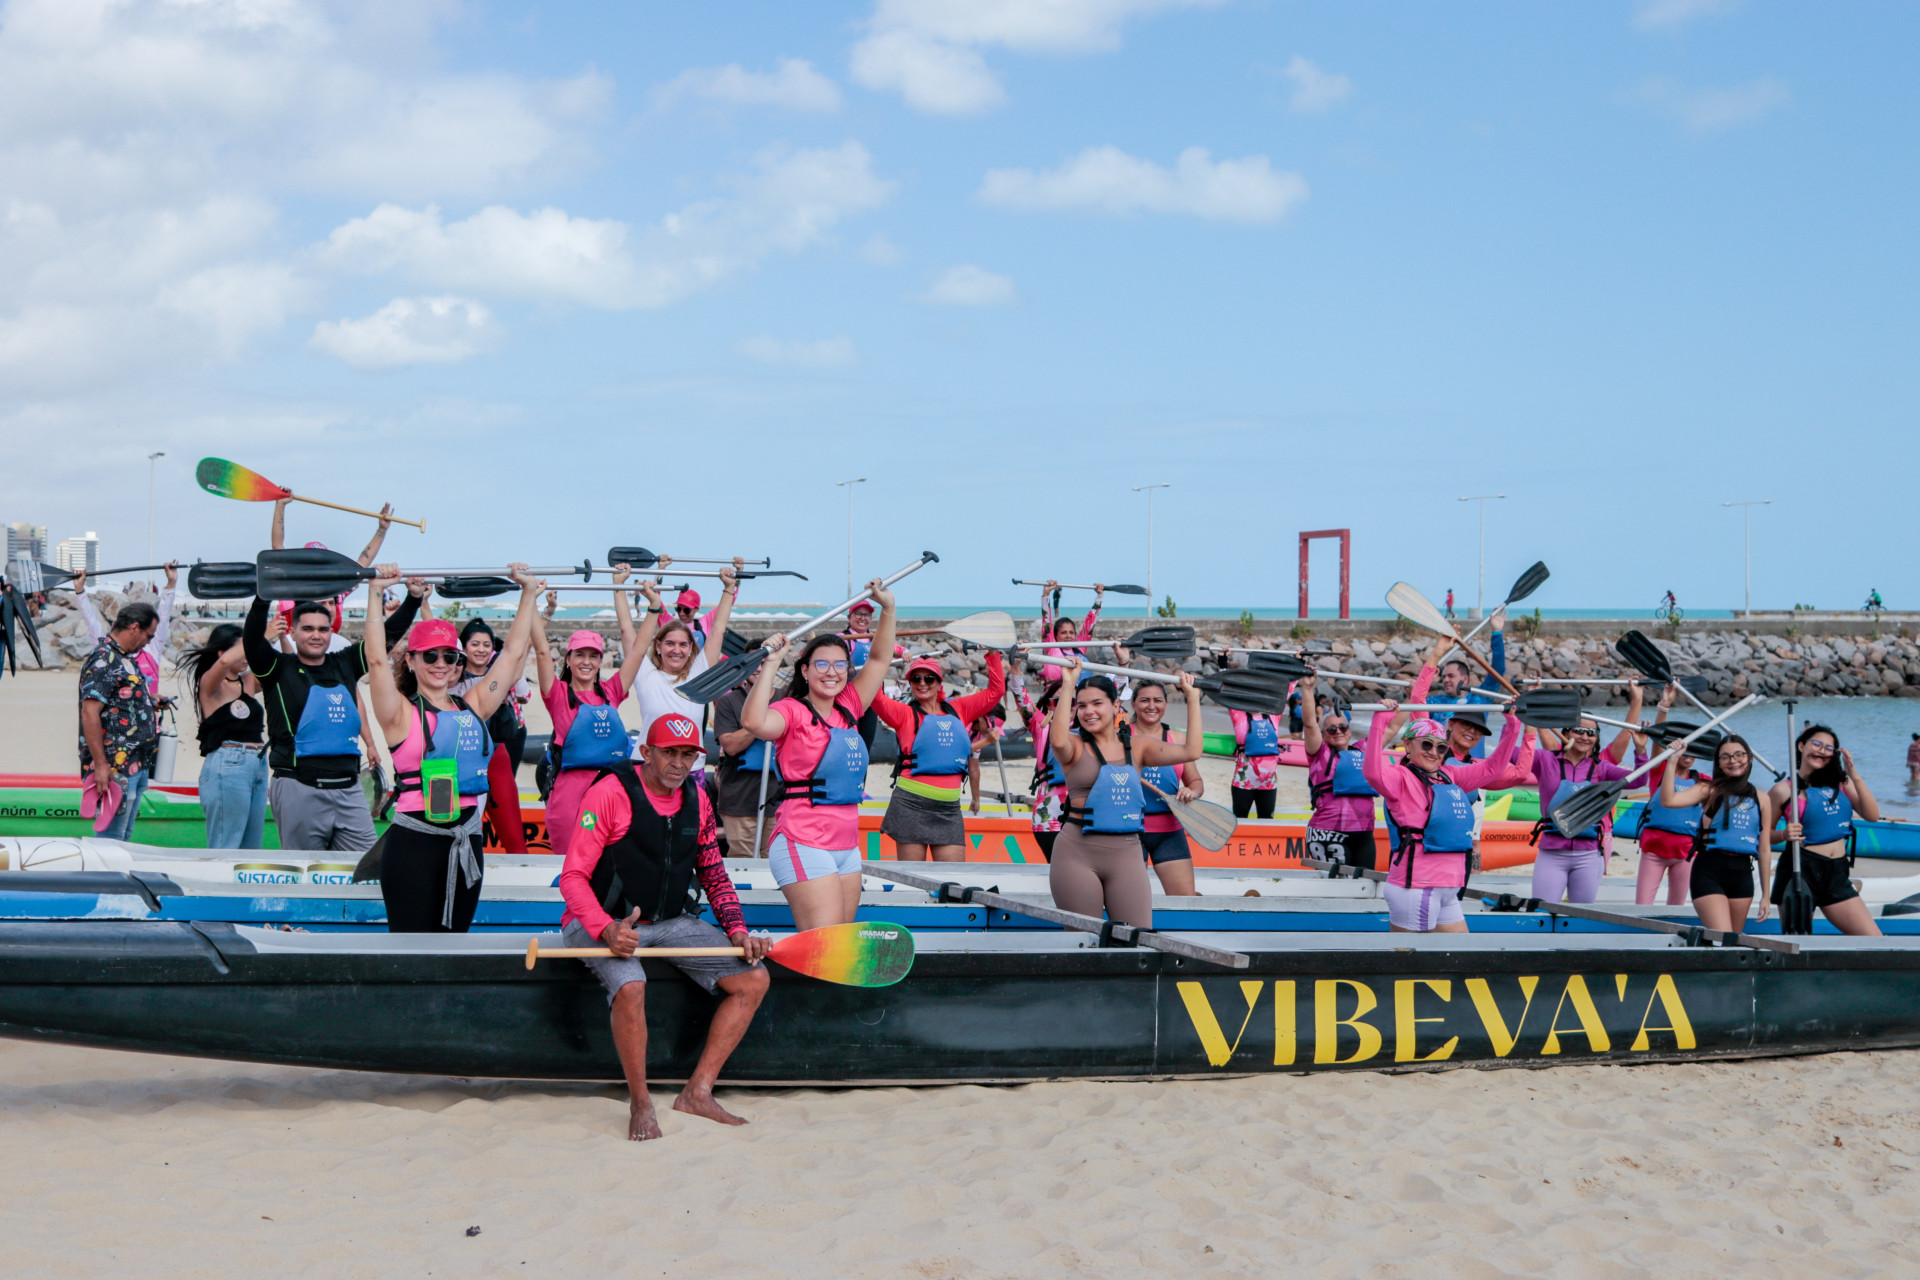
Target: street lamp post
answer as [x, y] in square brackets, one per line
[151, 459]
[848, 485]
[1148, 490]
[1480, 592]
[1746, 520]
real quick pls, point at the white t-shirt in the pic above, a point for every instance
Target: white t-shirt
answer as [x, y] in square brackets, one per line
[658, 693]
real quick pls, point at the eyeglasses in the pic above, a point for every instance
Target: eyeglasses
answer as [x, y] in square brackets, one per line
[440, 657]
[1731, 757]
[1818, 748]
[923, 678]
[823, 666]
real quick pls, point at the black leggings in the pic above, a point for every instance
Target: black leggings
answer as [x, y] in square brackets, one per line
[1045, 840]
[413, 882]
[1245, 799]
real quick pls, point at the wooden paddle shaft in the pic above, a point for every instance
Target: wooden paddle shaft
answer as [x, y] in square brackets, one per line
[421, 525]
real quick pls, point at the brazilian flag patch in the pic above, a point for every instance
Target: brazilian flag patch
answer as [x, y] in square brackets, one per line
[586, 822]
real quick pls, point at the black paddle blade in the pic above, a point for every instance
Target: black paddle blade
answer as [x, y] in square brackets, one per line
[1175, 644]
[307, 573]
[27, 630]
[474, 588]
[1585, 807]
[744, 574]
[632, 557]
[1289, 666]
[1556, 709]
[1796, 906]
[714, 681]
[1126, 589]
[222, 580]
[733, 644]
[1695, 685]
[1704, 747]
[1645, 656]
[1529, 582]
[30, 576]
[1252, 691]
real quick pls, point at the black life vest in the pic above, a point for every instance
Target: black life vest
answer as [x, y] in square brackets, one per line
[652, 866]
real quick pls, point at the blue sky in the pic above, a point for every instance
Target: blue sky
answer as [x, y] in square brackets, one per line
[561, 276]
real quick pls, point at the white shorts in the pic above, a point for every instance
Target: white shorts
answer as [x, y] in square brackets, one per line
[1422, 910]
[793, 862]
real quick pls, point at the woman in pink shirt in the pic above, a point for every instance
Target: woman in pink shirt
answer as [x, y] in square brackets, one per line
[815, 851]
[1062, 628]
[1430, 806]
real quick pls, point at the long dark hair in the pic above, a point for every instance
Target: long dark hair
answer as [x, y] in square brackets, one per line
[1100, 684]
[195, 663]
[1723, 786]
[1830, 774]
[797, 685]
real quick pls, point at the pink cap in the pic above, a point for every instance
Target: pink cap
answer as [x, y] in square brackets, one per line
[688, 599]
[432, 633]
[673, 731]
[316, 546]
[865, 606]
[584, 639]
[925, 664]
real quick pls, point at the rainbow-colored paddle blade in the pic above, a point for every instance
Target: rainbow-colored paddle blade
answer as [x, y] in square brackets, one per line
[866, 953]
[231, 480]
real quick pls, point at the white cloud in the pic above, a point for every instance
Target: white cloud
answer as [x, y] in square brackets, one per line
[880, 251]
[1108, 180]
[1657, 15]
[827, 353]
[970, 286]
[409, 331]
[790, 202]
[794, 86]
[929, 51]
[1314, 89]
[1711, 110]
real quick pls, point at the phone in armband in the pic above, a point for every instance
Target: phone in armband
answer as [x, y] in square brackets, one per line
[440, 782]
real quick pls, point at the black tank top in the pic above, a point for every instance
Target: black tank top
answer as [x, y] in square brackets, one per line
[241, 720]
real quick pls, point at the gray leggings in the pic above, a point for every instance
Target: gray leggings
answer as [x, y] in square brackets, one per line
[1101, 874]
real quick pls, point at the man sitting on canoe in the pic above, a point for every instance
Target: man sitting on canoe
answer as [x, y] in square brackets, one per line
[641, 838]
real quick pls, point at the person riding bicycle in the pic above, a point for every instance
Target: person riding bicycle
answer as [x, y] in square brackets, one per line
[1668, 602]
[1874, 603]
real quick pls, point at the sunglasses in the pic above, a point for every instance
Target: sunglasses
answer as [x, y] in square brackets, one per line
[440, 657]
[823, 666]
[923, 678]
[1583, 733]
[1338, 728]
[1433, 745]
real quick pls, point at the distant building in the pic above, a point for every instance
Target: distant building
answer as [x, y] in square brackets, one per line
[29, 540]
[77, 554]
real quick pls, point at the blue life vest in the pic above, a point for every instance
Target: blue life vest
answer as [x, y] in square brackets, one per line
[1164, 776]
[840, 775]
[754, 758]
[858, 651]
[1826, 815]
[597, 738]
[941, 745]
[1736, 829]
[1348, 778]
[1115, 802]
[1567, 787]
[1263, 737]
[459, 736]
[1449, 824]
[329, 723]
[1683, 822]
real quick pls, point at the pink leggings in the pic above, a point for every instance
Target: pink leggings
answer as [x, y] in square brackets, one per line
[1571, 875]
[1677, 871]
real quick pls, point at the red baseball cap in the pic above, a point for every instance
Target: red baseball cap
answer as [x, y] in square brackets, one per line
[674, 731]
[924, 664]
[865, 606]
[688, 599]
[432, 633]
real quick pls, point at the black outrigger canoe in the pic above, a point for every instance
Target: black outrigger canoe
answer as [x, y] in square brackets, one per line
[980, 1007]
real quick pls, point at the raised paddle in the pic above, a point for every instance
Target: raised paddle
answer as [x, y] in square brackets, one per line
[1591, 803]
[1697, 935]
[1254, 692]
[231, 480]
[1647, 657]
[715, 681]
[1523, 586]
[992, 629]
[641, 558]
[1125, 935]
[31, 576]
[1171, 644]
[312, 573]
[1118, 588]
[1405, 599]
[1796, 897]
[482, 587]
[13, 608]
[1557, 709]
[866, 953]
[1211, 825]
[223, 580]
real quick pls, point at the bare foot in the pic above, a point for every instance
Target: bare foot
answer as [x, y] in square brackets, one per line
[700, 1103]
[641, 1123]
